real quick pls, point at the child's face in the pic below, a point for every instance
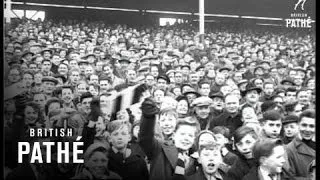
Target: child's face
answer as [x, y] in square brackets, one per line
[120, 137]
[98, 164]
[245, 145]
[184, 137]
[210, 160]
[291, 129]
[100, 126]
[272, 128]
[167, 123]
[182, 107]
[220, 139]
[248, 114]
[206, 138]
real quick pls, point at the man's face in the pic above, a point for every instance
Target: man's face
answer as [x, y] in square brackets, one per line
[40, 99]
[303, 97]
[46, 66]
[120, 138]
[178, 78]
[14, 76]
[237, 77]
[290, 96]
[205, 89]
[28, 80]
[66, 95]
[210, 159]
[292, 74]
[104, 85]
[218, 103]
[88, 71]
[252, 96]
[107, 70]
[154, 71]
[184, 136]
[63, 69]
[258, 83]
[167, 123]
[298, 80]
[94, 79]
[162, 84]
[202, 111]
[48, 87]
[276, 160]
[33, 67]
[291, 129]
[85, 105]
[194, 78]
[131, 75]
[55, 60]
[307, 128]
[82, 88]
[268, 89]
[158, 96]
[272, 128]
[220, 79]
[232, 104]
[75, 77]
[150, 80]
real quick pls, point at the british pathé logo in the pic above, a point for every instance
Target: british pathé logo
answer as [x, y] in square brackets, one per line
[300, 2]
[299, 20]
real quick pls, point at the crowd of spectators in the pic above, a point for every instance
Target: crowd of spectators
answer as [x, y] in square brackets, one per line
[231, 104]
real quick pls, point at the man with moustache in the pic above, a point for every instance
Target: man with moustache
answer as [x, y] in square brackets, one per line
[301, 150]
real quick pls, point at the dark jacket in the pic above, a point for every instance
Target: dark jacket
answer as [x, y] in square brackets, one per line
[199, 175]
[132, 167]
[255, 175]
[240, 168]
[300, 156]
[226, 119]
[163, 156]
[85, 174]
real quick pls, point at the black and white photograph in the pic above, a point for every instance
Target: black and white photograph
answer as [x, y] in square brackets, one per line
[159, 89]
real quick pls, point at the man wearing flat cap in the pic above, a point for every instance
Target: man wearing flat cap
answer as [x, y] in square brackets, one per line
[49, 83]
[201, 107]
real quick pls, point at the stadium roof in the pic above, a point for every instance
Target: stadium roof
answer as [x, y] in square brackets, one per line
[260, 8]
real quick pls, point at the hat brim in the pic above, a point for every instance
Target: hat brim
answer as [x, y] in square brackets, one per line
[259, 90]
[191, 92]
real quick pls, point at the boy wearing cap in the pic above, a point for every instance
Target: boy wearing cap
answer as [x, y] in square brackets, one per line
[290, 128]
[122, 160]
[271, 124]
[167, 161]
[210, 159]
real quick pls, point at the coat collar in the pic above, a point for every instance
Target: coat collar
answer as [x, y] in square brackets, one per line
[302, 148]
